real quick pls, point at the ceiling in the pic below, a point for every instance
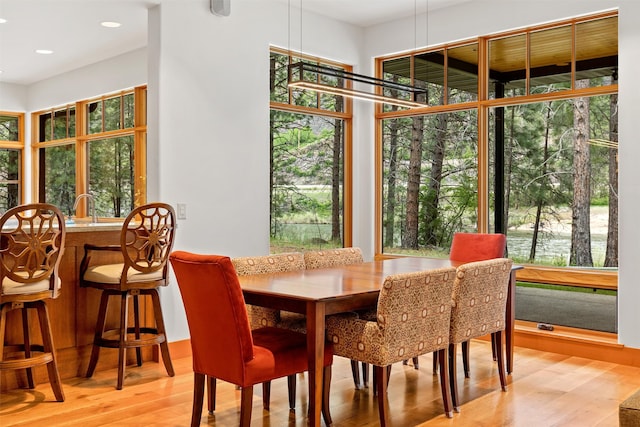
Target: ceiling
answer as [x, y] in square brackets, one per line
[56, 25]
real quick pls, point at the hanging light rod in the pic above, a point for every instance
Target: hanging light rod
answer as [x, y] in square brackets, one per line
[308, 76]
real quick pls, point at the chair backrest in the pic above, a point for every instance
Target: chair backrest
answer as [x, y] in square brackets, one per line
[479, 299]
[414, 311]
[147, 238]
[32, 240]
[276, 263]
[332, 258]
[221, 340]
[470, 247]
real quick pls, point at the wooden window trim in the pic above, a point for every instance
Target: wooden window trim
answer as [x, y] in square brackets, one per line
[82, 138]
[18, 145]
[347, 117]
[579, 277]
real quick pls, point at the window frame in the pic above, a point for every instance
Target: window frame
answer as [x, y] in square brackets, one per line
[17, 145]
[83, 137]
[347, 117]
[574, 276]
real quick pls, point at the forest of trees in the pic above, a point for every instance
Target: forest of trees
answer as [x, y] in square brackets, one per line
[9, 164]
[560, 156]
[560, 160]
[110, 159]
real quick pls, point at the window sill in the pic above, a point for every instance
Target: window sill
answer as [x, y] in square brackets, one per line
[587, 344]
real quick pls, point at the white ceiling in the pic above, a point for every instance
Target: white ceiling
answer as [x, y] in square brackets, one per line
[56, 24]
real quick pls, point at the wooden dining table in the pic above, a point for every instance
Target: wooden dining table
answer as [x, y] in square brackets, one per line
[322, 292]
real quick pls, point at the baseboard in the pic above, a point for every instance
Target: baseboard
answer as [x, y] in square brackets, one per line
[576, 342]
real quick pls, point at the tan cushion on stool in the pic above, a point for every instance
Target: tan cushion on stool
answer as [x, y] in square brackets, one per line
[9, 287]
[110, 273]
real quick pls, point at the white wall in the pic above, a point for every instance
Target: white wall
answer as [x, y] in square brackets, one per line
[210, 89]
[120, 72]
[209, 110]
[13, 97]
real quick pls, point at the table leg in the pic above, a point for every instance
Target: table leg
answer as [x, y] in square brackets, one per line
[510, 320]
[315, 349]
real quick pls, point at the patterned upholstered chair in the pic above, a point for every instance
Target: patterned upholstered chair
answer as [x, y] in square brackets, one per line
[479, 302]
[32, 239]
[334, 258]
[260, 317]
[414, 311]
[470, 247]
[276, 263]
[222, 343]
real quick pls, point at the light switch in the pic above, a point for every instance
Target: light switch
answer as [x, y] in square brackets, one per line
[182, 211]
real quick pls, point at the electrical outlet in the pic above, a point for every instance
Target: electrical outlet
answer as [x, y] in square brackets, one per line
[182, 211]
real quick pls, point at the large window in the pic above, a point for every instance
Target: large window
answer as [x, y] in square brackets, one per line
[11, 146]
[529, 151]
[310, 163]
[94, 146]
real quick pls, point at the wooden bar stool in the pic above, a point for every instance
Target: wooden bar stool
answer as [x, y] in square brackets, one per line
[145, 244]
[31, 246]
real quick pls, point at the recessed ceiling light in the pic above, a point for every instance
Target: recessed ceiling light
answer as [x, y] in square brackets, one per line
[2, 20]
[110, 24]
[44, 51]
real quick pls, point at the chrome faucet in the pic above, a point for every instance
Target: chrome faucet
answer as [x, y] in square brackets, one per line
[92, 205]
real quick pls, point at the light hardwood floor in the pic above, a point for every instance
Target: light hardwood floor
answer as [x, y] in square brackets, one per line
[546, 389]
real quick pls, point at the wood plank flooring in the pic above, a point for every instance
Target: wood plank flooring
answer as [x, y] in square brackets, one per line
[545, 389]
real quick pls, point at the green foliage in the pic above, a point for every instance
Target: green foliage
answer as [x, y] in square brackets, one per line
[302, 167]
[59, 176]
[111, 178]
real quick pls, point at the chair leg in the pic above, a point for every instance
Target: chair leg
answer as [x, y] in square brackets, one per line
[415, 362]
[435, 362]
[443, 360]
[48, 347]
[211, 394]
[27, 344]
[326, 389]
[291, 383]
[497, 337]
[245, 406]
[365, 375]
[266, 394]
[493, 348]
[355, 374]
[164, 345]
[380, 374]
[198, 395]
[122, 350]
[375, 379]
[136, 327]
[465, 357]
[453, 378]
[100, 325]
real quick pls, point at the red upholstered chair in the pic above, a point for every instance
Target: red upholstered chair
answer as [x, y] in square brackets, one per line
[479, 303]
[261, 316]
[470, 247]
[222, 342]
[31, 246]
